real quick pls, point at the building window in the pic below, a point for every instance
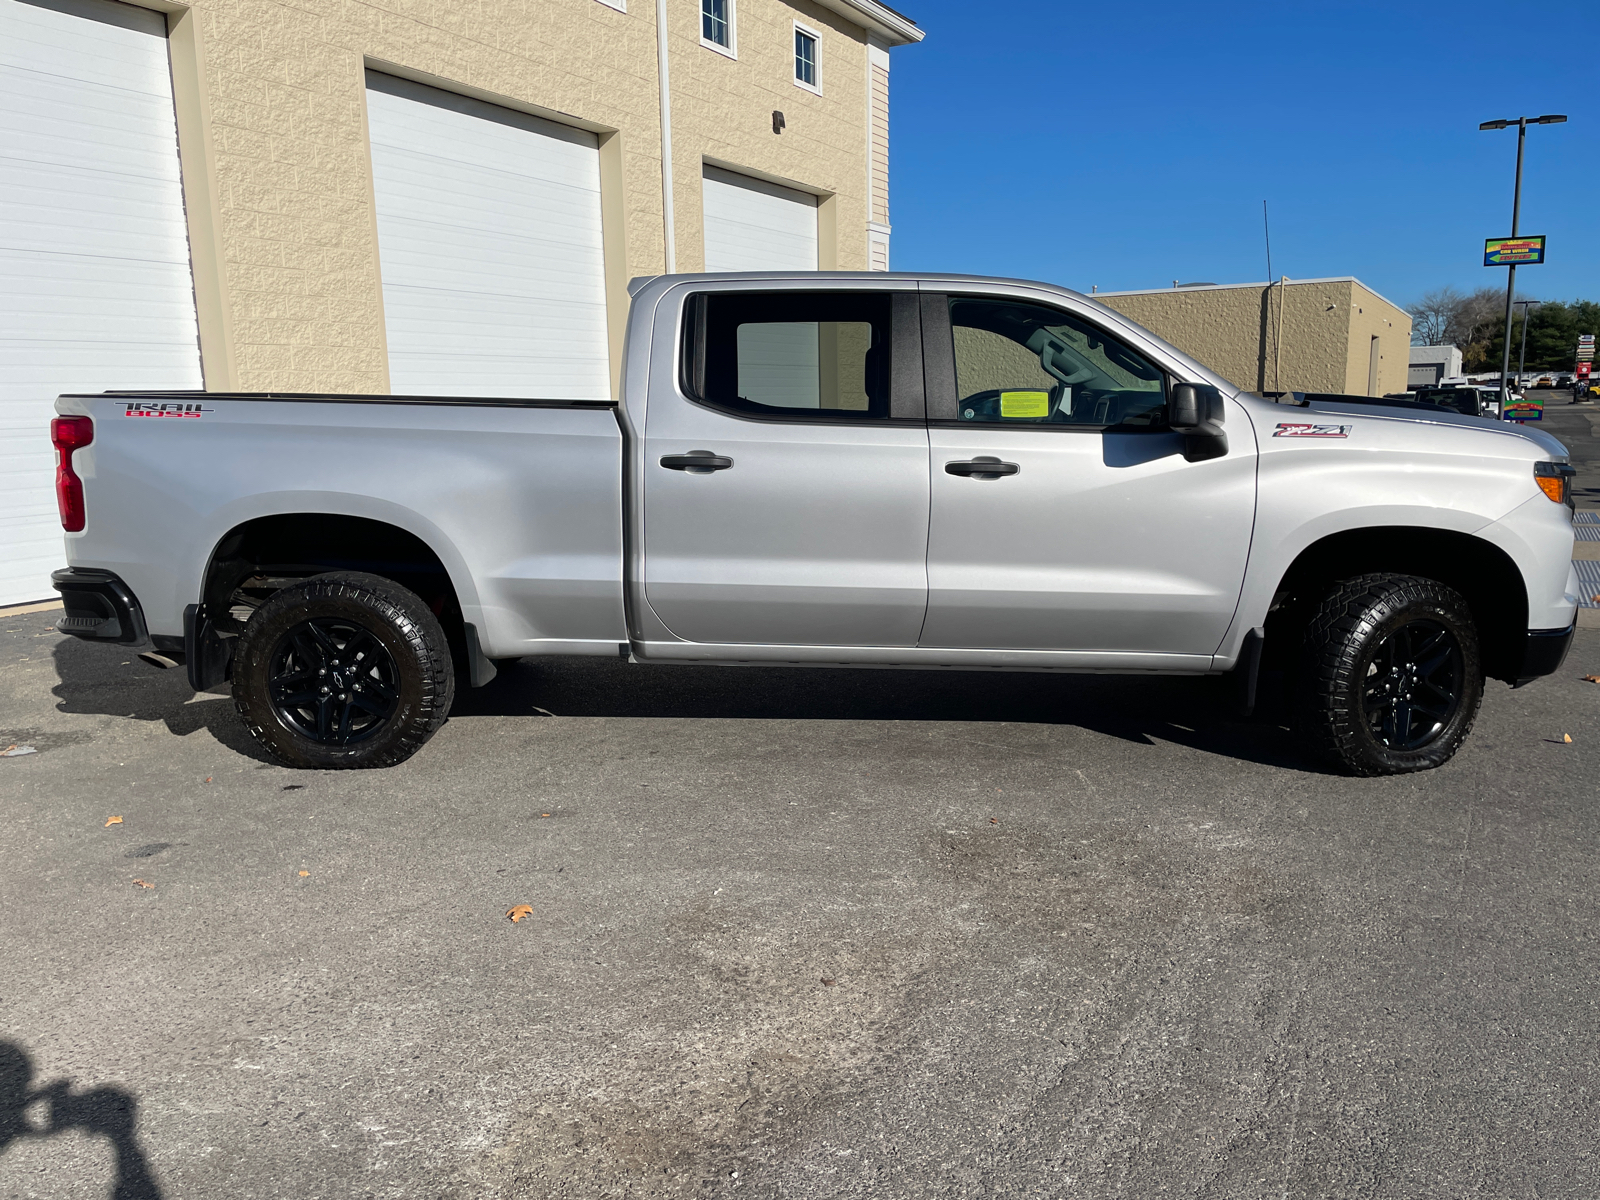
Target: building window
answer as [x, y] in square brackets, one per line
[805, 59]
[716, 25]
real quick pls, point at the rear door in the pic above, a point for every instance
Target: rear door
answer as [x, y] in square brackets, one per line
[1064, 515]
[786, 475]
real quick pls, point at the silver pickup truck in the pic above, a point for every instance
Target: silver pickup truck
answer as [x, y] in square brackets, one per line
[830, 469]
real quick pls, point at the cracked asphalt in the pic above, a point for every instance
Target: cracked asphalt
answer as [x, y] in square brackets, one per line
[794, 934]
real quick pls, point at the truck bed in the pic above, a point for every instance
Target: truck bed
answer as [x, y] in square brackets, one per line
[521, 500]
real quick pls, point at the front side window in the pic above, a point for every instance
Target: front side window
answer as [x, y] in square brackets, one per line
[1025, 364]
[714, 24]
[801, 355]
[805, 58]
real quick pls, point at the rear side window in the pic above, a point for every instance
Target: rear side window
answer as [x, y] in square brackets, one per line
[1025, 364]
[799, 355]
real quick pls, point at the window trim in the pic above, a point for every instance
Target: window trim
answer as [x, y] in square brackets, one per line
[731, 50]
[907, 405]
[939, 366]
[816, 59]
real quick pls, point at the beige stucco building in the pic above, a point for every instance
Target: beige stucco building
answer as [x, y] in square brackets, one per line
[277, 168]
[1304, 335]
[399, 196]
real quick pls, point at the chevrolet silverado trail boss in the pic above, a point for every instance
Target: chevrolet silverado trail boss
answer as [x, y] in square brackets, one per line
[833, 469]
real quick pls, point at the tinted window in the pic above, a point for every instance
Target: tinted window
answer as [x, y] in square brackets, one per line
[1027, 364]
[803, 355]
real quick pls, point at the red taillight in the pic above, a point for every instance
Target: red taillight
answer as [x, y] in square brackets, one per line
[69, 434]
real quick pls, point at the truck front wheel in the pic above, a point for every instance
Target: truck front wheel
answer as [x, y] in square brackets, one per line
[1391, 676]
[343, 670]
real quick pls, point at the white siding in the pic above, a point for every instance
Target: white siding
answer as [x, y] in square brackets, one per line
[751, 225]
[95, 288]
[489, 236]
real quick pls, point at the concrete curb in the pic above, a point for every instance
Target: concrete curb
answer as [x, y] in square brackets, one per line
[22, 610]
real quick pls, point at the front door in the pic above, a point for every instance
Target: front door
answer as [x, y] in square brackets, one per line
[786, 478]
[1064, 515]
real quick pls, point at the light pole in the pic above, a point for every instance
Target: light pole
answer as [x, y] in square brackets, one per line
[1522, 355]
[1522, 124]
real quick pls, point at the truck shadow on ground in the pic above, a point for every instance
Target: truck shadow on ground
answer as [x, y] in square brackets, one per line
[1203, 713]
[109, 1112]
[111, 681]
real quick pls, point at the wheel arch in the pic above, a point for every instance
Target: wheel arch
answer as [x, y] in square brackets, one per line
[261, 554]
[1485, 575]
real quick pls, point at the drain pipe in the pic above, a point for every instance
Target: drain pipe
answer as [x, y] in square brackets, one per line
[666, 135]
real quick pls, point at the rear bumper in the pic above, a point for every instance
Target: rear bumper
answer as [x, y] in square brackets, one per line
[1545, 652]
[99, 607]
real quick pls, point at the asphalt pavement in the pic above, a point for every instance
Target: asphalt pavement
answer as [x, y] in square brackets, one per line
[792, 934]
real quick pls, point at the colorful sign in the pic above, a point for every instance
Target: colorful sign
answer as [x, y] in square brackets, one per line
[1583, 370]
[1525, 410]
[1517, 251]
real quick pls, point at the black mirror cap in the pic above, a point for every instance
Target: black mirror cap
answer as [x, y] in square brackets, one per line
[1194, 406]
[1196, 411]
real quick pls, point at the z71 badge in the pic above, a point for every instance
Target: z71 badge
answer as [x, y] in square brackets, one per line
[133, 409]
[1290, 429]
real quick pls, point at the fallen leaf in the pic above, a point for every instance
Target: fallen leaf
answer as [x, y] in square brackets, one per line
[208, 779]
[826, 982]
[522, 910]
[1591, 678]
[142, 883]
[994, 820]
[112, 821]
[303, 874]
[1566, 738]
[544, 814]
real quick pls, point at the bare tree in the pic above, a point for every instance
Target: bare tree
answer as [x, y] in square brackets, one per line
[1434, 316]
[1477, 320]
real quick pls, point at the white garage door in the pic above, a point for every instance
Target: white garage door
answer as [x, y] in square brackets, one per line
[95, 289]
[489, 234]
[751, 225]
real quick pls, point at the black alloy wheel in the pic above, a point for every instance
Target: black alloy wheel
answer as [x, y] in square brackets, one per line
[1413, 685]
[333, 682]
[1391, 676]
[343, 670]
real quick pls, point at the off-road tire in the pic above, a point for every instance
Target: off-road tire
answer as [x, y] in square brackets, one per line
[1350, 634]
[399, 621]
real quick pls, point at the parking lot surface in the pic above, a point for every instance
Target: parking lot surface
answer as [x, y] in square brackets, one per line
[793, 934]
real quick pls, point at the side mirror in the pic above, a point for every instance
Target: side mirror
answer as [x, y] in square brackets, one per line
[1196, 411]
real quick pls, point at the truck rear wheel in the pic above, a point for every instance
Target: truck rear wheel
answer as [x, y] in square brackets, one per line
[1391, 676]
[343, 670]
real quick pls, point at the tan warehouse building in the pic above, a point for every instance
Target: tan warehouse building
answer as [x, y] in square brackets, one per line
[1301, 335]
[395, 196]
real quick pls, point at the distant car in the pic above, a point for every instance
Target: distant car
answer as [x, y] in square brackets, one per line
[1564, 381]
[1545, 382]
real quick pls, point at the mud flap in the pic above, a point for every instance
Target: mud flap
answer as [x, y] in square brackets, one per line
[206, 653]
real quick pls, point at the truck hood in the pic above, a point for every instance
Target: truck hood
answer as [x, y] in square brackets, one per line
[1547, 444]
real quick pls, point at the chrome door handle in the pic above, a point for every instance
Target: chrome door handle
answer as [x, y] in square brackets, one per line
[697, 461]
[981, 468]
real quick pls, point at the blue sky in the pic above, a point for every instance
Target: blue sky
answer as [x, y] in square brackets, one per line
[1128, 145]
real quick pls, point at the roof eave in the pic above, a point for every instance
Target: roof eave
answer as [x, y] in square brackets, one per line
[878, 19]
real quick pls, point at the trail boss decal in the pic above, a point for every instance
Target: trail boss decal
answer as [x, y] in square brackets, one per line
[1291, 429]
[163, 410]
